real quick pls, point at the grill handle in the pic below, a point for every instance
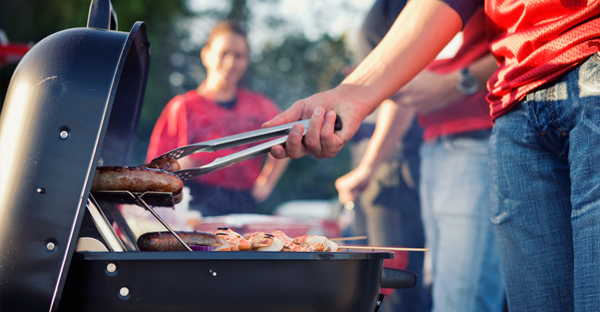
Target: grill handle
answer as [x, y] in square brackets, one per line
[102, 15]
[397, 278]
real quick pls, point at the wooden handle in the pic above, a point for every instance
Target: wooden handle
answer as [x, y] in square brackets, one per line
[347, 238]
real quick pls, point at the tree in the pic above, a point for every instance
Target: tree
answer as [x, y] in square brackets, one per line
[32, 21]
[285, 71]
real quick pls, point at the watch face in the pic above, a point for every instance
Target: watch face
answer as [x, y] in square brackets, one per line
[468, 83]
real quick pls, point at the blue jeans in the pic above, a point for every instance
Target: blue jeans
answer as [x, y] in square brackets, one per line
[459, 234]
[546, 194]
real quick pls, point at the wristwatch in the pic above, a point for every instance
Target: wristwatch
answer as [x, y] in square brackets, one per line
[467, 83]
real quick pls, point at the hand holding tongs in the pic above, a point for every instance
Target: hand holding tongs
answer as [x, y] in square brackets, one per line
[281, 132]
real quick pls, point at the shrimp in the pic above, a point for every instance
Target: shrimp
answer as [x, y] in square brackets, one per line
[314, 247]
[331, 246]
[310, 239]
[260, 239]
[231, 240]
[288, 244]
[312, 242]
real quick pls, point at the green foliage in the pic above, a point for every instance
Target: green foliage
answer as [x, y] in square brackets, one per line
[286, 71]
[299, 68]
[33, 20]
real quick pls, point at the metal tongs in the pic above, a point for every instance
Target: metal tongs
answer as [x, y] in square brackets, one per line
[279, 132]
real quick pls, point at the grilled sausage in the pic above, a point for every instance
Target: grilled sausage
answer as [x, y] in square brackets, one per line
[135, 179]
[165, 241]
[165, 164]
[177, 198]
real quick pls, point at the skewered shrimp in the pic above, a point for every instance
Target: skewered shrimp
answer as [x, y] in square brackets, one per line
[314, 247]
[321, 243]
[312, 242]
[277, 245]
[231, 240]
[259, 239]
[310, 239]
[288, 244]
[276, 241]
[331, 246]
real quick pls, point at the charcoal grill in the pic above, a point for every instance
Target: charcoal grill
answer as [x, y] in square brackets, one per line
[73, 104]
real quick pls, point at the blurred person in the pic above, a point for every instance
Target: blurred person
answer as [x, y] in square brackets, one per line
[450, 96]
[387, 210]
[543, 102]
[220, 107]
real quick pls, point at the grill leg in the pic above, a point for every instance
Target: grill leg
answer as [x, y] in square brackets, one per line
[106, 231]
[379, 301]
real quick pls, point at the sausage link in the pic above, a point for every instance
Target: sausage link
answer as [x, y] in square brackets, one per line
[165, 241]
[135, 179]
[169, 164]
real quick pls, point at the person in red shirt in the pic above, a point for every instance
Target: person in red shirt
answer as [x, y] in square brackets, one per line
[387, 209]
[543, 100]
[219, 107]
[454, 175]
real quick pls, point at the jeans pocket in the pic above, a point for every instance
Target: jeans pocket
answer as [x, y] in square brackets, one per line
[596, 56]
[588, 79]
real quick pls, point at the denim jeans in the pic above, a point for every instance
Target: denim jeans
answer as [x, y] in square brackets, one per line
[546, 194]
[459, 234]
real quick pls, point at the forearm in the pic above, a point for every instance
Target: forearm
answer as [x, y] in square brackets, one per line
[393, 121]
[421, 31]
[431, 91]
[483, 68]
[272, 171]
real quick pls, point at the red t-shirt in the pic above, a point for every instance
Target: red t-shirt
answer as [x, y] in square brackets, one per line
[535, 42]
[470, 113]
[192, 118]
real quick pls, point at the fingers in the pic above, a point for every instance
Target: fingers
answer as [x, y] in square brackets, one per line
[312, 138]
[293, 145]
[261, 193]
[330, 141]
[344, 192]
[278, 151]
[294, 113]
[344, 197]
[319, 140]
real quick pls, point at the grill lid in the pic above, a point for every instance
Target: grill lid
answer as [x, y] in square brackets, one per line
[73, 102]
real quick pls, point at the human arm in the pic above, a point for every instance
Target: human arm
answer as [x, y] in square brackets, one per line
[393, 121]
[427, 92]
[430, 91]
[421, 31]
[268, 177]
